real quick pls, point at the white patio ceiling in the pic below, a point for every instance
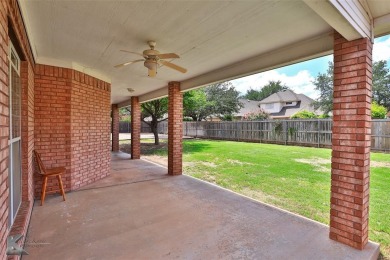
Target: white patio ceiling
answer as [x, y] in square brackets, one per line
[217, 40]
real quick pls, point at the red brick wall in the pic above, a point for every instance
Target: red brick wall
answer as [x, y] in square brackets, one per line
[135, 128]
[4, 126]
[9, 11]
[115, 127]
[90, 129]
[22, 219]
[52, 122]
[351, 141]
[72, 125]
[175, 128]
[27, 75]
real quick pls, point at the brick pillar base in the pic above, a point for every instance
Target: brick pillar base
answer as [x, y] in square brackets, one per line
[175, 128]
[351, 141]
[135, 128]
[115, 127]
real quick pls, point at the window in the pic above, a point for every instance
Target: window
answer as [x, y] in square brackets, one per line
[15, 101]
[288, 103]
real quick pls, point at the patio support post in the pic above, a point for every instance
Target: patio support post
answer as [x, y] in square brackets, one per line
[175, 128]
[351, 141]
[135, 128]
[115, 127]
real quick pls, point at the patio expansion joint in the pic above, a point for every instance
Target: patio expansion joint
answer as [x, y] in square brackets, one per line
[121, 184]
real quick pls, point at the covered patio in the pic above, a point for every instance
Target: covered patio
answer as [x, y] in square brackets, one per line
[60, 92]
[140, 212]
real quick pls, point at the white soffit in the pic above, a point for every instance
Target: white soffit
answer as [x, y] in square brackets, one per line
[217, 40]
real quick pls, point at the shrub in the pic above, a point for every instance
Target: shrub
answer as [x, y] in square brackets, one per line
[260, 114]
[227, 117]
[304, 114]
[324, 116]
[378, 111]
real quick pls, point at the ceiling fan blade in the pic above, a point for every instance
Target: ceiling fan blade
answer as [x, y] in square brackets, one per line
[152, 73]
[168, 56]
[136, 53]
[127, 63]
[173, 66]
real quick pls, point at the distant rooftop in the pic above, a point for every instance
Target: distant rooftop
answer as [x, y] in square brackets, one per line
[281, 96]
[248, 107]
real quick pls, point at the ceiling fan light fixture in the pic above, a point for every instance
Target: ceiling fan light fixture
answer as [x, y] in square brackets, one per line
[152, 73]
[152, 67]
[151, 64]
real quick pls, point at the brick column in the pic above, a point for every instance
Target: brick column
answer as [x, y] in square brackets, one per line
[115, 127]
[135, 128]
[351, 141]
[175, 128]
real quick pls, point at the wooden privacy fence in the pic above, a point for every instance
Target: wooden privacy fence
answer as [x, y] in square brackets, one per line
[125, 127]
[304, 132]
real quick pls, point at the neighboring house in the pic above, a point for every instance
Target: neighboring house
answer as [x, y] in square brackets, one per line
[284, 104]
[249, 106]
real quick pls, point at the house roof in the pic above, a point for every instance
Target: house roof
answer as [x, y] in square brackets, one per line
[303, 103]
[280, 97]
[248, 107]
[216, 40]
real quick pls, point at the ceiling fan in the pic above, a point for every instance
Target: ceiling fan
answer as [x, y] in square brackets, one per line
[153, 58]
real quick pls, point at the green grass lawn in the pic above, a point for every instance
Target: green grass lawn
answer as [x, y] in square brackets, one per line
[294, 178]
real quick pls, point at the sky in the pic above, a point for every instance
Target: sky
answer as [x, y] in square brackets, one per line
[299, 77]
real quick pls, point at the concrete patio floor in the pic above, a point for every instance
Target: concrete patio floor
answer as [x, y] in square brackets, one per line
[139, 212]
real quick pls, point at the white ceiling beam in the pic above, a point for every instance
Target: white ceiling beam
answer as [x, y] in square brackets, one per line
[125, 103]
[156, 94]
[350, 18]
[291, 54]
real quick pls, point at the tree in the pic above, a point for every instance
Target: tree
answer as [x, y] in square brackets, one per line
[224, 99]
[378, 111]
[196, 105]
[324, 84]
[124, 114]
[380, 86]
[253, 94]
[156, 111]
[381, 83]
[266, 91]
[304, 114]
[220, 99]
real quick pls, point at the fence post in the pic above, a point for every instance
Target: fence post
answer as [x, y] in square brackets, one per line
[261, 130]
[318, 132]
[286, 132]
[252, 132]
[236, 132]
